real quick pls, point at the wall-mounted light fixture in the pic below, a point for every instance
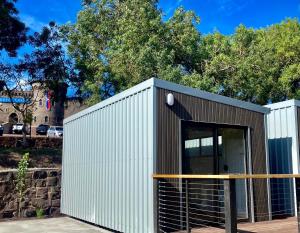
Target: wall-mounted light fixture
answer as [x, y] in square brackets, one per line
[170, 99]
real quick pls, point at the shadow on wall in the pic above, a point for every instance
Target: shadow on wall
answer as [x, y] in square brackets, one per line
[180, 110]
[280, 154]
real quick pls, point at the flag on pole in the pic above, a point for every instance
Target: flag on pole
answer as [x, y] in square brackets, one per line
[48, 101]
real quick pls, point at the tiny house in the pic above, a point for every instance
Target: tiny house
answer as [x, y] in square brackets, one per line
[283, 143]
[112, 149]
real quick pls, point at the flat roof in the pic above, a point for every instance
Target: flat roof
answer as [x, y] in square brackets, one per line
[159, 83]
[283, 104]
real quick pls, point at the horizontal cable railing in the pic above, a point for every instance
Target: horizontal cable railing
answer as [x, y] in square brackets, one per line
[195, 203]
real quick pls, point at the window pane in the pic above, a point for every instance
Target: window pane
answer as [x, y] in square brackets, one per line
[198, 153]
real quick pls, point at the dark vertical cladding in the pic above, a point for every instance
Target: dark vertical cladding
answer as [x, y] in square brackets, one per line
[298, 123]
[192, 108]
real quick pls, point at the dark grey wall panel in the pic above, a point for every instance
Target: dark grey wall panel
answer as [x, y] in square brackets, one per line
[192, 108]
[298, 120]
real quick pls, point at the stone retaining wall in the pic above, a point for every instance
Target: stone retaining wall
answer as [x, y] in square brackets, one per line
[35, 142]
[42, 192]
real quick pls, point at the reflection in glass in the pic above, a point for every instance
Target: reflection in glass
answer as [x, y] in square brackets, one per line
[198, 155]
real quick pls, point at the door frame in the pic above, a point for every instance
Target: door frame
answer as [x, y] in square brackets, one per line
[248, 158]
[215, 127]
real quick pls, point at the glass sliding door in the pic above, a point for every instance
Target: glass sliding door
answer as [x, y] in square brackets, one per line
[232, 159]
[216, 149]
[198, 149]
[199, 158]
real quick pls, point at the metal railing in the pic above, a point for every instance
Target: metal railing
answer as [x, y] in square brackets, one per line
[191, 202]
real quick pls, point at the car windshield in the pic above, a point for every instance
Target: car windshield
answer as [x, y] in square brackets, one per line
[59, 128]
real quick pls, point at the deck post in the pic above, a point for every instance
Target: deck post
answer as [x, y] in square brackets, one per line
[230, 206]
[187, 217]
[156, 205]
[297, 182]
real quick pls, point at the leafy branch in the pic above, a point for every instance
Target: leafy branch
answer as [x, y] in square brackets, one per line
[21, 175]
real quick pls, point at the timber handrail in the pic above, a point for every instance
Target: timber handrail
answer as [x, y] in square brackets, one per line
[225, 176]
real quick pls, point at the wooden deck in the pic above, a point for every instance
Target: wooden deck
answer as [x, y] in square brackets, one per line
[288, 225]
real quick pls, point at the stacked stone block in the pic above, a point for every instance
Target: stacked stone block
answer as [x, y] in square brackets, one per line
[42, 192]
[36, 142]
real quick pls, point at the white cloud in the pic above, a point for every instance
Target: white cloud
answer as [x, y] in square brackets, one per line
[173, 7]
[32, 22]
[231, 6]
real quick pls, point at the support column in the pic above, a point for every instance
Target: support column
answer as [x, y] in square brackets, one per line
[230, 206]
[297, 182]
[156, 205]
[187, 205]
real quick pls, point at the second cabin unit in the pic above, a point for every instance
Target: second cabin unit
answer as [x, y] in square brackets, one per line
[283, 143]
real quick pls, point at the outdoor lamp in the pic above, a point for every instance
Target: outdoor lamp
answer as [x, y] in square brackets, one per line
[170, 99]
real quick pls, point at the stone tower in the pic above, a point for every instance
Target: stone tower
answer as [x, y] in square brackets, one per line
[51, 114]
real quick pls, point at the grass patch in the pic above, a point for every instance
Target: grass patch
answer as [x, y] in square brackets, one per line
[39, 213]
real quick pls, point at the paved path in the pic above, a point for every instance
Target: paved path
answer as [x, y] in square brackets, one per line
[49, 225]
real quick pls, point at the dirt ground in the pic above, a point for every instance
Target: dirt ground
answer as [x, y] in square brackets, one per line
[46, 157]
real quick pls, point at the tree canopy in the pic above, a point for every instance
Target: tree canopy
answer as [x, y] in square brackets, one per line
[47, 64]
[45, 68]
[12, 30]
[255, 65]
[117, 44]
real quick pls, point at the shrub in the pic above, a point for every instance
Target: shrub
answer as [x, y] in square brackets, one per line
[21, 175]
[39, 213]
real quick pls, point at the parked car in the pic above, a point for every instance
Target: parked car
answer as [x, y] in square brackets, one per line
[42, 129]
[1, 130]
[17, 128]
[55, 131]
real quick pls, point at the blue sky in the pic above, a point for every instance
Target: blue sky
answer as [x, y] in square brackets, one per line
[223, 15]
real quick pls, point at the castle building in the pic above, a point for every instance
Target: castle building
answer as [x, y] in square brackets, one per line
[43, 110]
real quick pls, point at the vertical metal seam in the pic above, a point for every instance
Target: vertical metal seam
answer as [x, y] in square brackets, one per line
[154, 106]
[267, 168]
[297, 154]
[250, 172]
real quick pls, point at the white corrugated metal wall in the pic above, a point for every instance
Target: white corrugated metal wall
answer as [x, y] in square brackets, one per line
[108, 165]
[283, 150]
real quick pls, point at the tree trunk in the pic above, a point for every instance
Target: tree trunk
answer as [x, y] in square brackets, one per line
[24, 141]
[19, 207]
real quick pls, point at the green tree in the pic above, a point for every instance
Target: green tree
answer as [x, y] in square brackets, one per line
[21, 180]
[12, 30]
[289, 81]
[46, 68]
[278, 50]
[254, 65]
[117, 44]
